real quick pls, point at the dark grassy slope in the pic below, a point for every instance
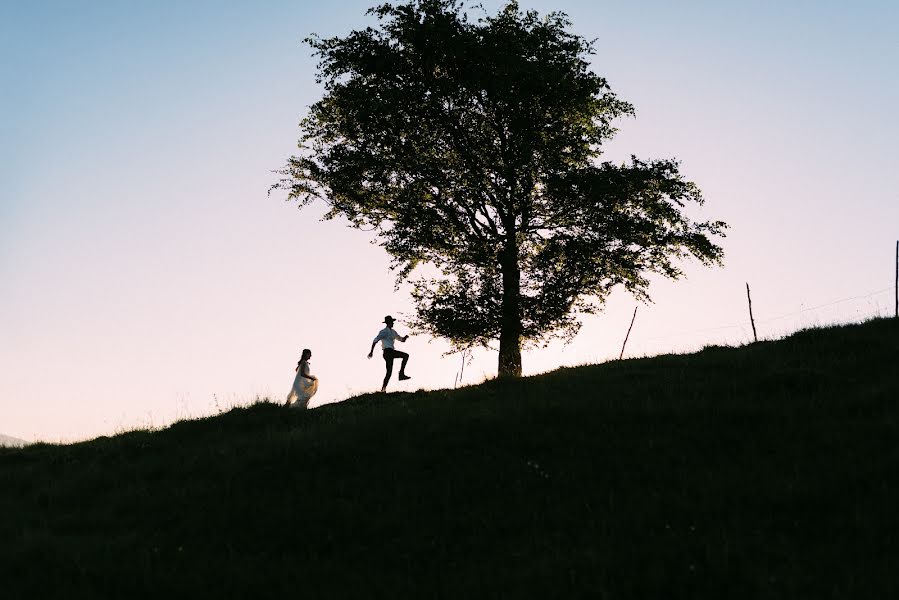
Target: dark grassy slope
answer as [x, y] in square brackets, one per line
[770, 470]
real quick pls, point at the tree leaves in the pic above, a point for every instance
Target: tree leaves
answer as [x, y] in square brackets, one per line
[474, 146]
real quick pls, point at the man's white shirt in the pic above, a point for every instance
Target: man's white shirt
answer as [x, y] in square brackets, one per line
[387, 336]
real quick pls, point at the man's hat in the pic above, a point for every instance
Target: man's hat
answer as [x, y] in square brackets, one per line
[389, 318]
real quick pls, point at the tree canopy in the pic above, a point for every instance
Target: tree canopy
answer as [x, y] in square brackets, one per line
[474, 146]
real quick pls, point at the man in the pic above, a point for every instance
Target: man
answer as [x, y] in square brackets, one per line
[387, 336]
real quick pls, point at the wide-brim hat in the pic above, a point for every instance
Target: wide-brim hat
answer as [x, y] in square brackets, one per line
[388, 318]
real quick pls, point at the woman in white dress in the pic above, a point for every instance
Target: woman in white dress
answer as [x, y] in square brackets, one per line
[304, 384]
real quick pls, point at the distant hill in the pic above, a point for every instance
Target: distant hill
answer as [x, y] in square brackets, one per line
[765, 471]
[6, 440]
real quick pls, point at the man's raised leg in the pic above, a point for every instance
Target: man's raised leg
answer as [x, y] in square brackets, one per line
[405, 357]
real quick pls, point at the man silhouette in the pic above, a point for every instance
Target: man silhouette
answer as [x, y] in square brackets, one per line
[387, 336]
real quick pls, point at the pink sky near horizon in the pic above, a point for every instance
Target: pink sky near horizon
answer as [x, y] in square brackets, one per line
[147, 275]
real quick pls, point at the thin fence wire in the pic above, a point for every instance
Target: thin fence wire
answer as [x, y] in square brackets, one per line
[873, 310]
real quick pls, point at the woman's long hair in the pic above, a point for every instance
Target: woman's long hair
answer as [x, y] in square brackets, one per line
[307, 354]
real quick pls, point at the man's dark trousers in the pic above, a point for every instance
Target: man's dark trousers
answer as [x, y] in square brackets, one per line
[389, 355]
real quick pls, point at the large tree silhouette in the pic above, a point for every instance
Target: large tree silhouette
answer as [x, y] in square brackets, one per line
[473, 146]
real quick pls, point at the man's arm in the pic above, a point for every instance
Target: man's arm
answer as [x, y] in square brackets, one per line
[377, 339]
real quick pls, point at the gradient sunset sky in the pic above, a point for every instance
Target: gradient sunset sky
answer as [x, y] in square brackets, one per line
[146, 275]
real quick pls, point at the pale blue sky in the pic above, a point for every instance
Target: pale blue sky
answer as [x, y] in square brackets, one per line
[146, 276]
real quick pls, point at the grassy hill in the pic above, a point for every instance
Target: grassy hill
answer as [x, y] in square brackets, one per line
[767, 471]
[6, 440]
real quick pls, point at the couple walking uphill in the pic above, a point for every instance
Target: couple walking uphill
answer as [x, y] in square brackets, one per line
[305, 384]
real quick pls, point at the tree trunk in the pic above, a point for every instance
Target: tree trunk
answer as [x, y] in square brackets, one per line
[510, 332]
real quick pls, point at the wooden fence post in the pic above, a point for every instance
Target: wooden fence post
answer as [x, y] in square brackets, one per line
[466, 355]
[628, 332]
[751, 320]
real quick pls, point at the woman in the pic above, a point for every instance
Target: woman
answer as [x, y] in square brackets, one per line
[304, 384]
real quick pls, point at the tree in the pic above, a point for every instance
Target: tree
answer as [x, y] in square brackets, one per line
[473, 146]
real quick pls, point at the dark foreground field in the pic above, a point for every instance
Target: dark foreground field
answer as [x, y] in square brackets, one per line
[768, 471]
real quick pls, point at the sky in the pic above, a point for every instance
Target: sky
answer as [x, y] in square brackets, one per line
[147, 276]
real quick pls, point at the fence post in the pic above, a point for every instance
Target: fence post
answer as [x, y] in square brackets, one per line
[628, 332]
[751, 320]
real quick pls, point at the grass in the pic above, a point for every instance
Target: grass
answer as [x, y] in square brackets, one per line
[766, 471]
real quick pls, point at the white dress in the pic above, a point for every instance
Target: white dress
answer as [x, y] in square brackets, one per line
[303, 389]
